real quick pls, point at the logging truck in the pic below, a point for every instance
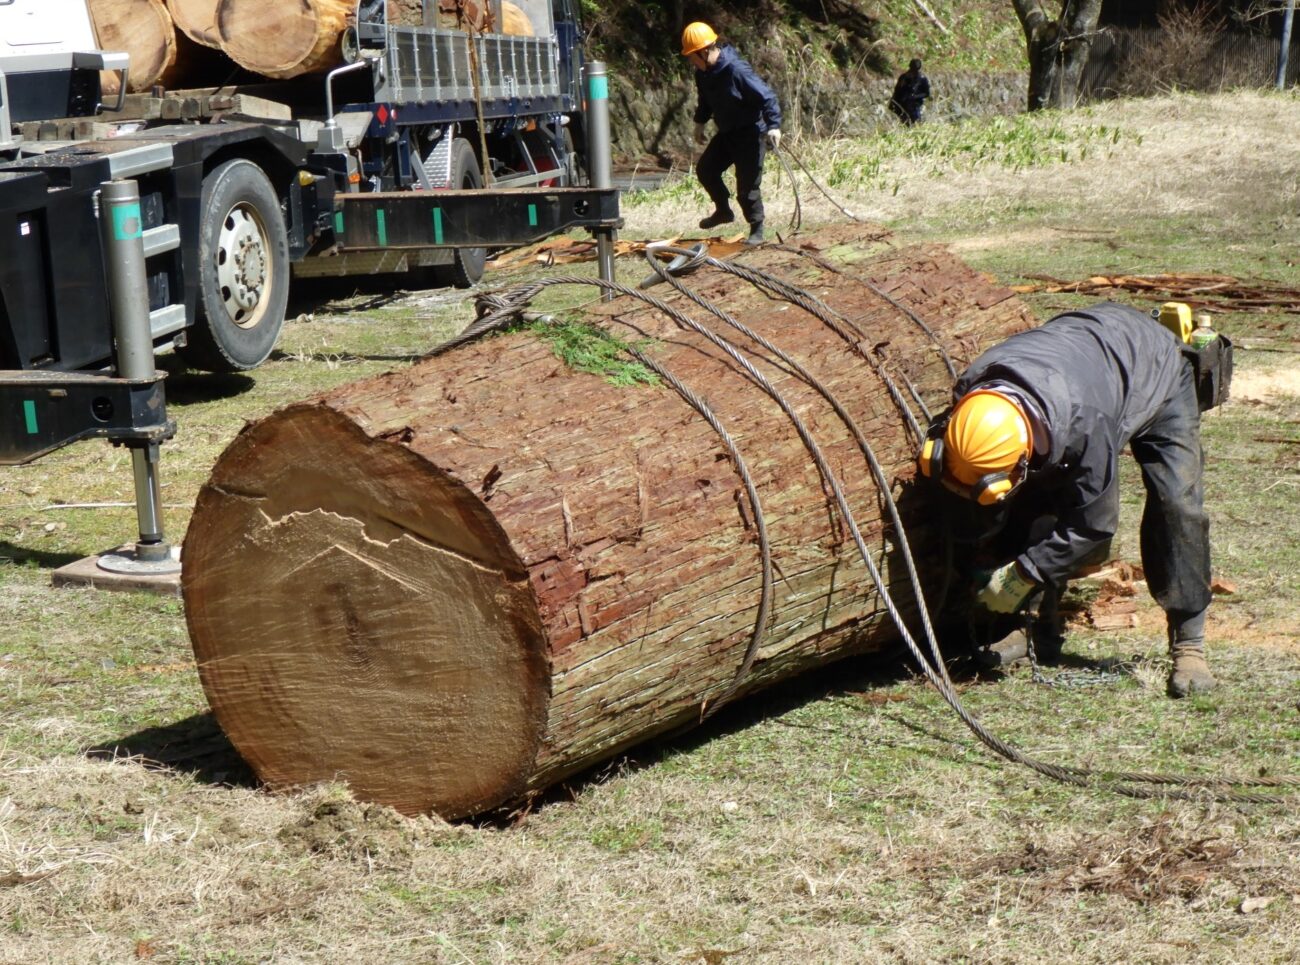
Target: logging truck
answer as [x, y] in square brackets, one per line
[406, 137]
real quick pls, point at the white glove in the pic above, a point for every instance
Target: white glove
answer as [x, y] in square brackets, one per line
[774, 137]
[700, 136]
[1006, 591]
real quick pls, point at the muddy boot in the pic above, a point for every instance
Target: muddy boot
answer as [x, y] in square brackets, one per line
[720, 216]
[755, 234]
[1190, 674]
[1014, 646]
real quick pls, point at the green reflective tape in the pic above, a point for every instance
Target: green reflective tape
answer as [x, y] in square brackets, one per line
[532, 216]
[126, 222]
[382, 227]
[437, 226]
[29, 413]
[338, 222]
[598, 88]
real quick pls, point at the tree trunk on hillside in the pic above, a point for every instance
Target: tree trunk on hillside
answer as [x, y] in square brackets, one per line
[143, 29]
[283, 38]
[1057, 48]
[456, 584]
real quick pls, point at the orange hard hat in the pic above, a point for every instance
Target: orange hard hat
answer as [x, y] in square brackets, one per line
[983, 450]
[697, 36]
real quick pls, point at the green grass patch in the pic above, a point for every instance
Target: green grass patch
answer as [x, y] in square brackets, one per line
[585, 347]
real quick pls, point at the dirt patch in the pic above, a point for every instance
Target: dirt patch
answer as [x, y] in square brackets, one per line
[1267, 386]
[1156, 862]
[337, 826]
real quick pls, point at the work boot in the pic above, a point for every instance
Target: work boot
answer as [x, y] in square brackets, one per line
[1190, 674]
[755, 234]
[1014, 646]
[720, 216]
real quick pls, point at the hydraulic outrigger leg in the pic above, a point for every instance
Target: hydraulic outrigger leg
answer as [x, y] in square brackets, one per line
[599, 163]
[121, 228]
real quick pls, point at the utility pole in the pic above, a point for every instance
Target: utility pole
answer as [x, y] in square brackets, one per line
[1282, 56]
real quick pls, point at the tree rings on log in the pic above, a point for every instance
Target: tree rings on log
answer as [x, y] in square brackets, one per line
[457, 584]
[284, 38]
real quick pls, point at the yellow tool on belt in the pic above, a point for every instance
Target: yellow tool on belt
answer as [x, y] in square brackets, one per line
[1177, 317]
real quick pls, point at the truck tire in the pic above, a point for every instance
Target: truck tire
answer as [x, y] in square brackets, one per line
[467, 269]
[243, 270]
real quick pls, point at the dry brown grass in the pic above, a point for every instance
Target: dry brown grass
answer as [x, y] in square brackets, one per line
[1176, 155]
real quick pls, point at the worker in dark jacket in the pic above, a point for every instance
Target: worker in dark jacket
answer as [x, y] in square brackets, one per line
[910, 94]
[748, 119]
[1038, 424]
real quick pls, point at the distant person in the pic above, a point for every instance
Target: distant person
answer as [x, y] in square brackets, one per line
[910, 94]
[748, 120]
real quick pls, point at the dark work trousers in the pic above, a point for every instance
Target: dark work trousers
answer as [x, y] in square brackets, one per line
[1175, 533]
[745, 148]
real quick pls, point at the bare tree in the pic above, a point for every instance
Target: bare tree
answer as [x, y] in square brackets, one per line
[1057, 47]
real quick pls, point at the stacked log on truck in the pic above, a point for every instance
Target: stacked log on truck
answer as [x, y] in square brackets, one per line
[279, 39]
[454, 585]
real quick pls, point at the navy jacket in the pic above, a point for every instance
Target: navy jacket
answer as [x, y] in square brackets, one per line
[911, 89]
[1098, 377]
[734, 96]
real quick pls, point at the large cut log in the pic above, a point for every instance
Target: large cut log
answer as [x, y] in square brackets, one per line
[143, 29]
[284, 38]
[456, 584]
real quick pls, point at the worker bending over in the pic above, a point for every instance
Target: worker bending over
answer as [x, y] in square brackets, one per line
[748, 119]
[1036, 431]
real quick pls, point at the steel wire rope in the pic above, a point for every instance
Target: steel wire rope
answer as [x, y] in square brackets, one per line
[800, 427]
[1076, 776]
[877, 471]
[826, 194]
[796, 217]
[814, 306]
[509, 310]
[881, 293]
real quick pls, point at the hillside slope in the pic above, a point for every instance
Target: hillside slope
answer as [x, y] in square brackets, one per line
[831, 62]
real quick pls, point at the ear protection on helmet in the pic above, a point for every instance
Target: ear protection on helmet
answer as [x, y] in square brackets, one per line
[989, 490]
[930, 459]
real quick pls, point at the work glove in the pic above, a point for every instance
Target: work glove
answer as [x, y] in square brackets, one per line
[774, 137]
[1006, 591]
[700, 136]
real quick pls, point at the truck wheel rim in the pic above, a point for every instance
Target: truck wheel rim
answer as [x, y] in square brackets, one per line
[243, 265]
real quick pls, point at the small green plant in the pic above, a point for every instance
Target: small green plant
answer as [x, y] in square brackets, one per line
[590, 349]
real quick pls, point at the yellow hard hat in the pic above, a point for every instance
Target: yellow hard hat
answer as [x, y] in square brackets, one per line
[697, 36]
[983, 450]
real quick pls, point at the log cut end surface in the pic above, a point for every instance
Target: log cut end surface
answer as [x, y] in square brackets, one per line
[196, 19]
[283, 40]
[385, 635]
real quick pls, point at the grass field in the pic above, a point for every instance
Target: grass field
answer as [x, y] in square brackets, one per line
[845, 817]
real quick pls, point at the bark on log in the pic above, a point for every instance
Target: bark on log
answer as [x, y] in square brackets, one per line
[143, 29]
[196, 19]
[459, 583]
[283, 38]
